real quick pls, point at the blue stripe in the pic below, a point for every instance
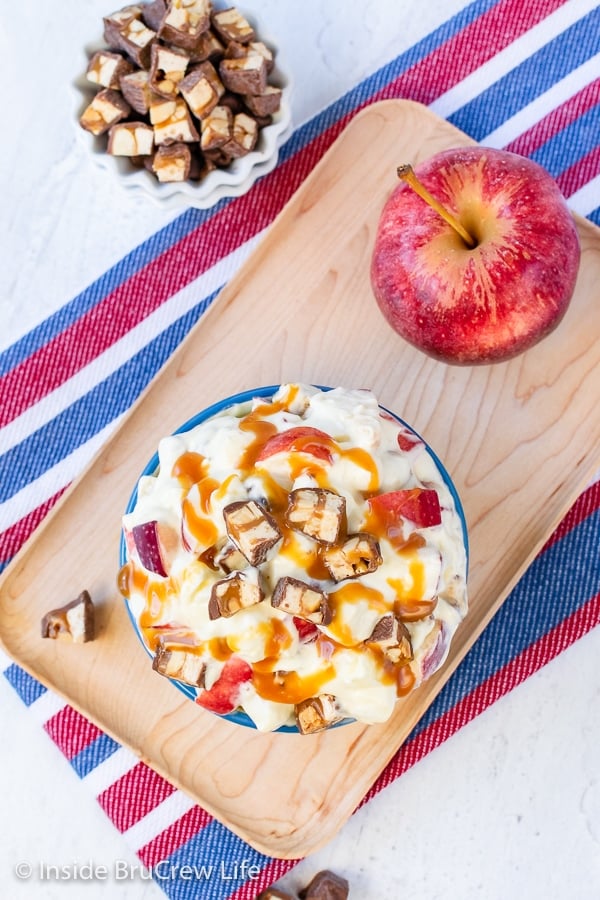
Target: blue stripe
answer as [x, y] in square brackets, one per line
[26, 687]
[532, 77]
[595, 216]
[193, 218]
[78, 423]
[95, 753]
[580, 136]
[212, 855]
[558, 583]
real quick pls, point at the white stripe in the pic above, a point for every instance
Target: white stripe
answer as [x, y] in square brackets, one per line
[110, 770]
[539, 108]
[5, 660]
[587, 198]
[517, 52]
[123, 349]
[46, 706]
[163, 815]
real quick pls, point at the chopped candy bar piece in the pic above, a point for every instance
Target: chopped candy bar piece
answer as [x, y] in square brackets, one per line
[136, 39]
[316, 713]
[107, 68]
[137, 91]
[175, 662]
[358, 555]
[172, 162]
[231, 559]
[232, 101]
[184, 22]
[208, 47]
[300, 599]
[202, 88]
[167, 69]
[217, 158]
[262, 49]
[265, 103]
[244, 75]
[216, 128]
[107, 108]
[244, 135]
[392, 635]
[252, 529]
[118, 20]
[238, 591]
[318, 513]
[74, 622]
[153, 14]
[131, 139]
[326, 885]
[231, 25]
[272, 893]
[173, 124]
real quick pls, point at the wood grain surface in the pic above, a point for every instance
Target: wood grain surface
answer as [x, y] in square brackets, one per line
[520, 439]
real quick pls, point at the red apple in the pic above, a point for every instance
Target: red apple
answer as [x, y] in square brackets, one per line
[490, 301]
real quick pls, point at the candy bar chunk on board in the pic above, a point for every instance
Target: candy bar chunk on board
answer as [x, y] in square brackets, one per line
[316, 713]
[106, 68]
[231, 25]
[202, 89]
[272, 893]
[184, 22]
[238, 591]
[326, 885]
[131, 139]
[293, 596]
[318, 513]
[251, 528]
[356, 556]
[73, 622]
[106, 109]
[176, 662]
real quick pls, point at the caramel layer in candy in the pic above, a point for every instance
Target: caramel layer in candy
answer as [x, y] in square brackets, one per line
[231, 559]
[107, 108]
[300, 599]
[244, 75]
[253, 531]
[167, 69]
[244, 135]
[316, 713]
[238, 591]
[172, 122]
[137, 91]
[393, 637]
[202, 89]
[318, 513]
[265, 104]
[358, 555]
[106, 68]
[326, 885]
[131, 139]
[172, 162]
[179, 663]
[73, 622]
[185, 21]
[230, 25]
[216, 128]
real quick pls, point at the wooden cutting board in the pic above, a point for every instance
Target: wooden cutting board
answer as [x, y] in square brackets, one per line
[521, 440]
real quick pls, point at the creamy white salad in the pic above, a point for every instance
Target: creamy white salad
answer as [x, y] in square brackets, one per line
[299, 558]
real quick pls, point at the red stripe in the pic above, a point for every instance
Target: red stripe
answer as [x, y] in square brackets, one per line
[580, 172]
[198, 251]
[15, 536]
[71, 732]
[134, 795]
[506, 679]
[175, 836]
[586, 504]
[557, 120]
[271, 872]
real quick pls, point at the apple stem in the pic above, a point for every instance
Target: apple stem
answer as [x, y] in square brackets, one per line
[406, 173]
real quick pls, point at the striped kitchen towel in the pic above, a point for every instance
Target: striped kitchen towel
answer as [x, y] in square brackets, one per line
[518, 74]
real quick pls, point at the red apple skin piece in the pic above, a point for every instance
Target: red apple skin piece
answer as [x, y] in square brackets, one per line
[492, 302]
[419, 505]
[222, 697]
[303, 439]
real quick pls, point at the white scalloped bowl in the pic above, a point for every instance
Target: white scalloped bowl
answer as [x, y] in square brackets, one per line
[232, 181]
